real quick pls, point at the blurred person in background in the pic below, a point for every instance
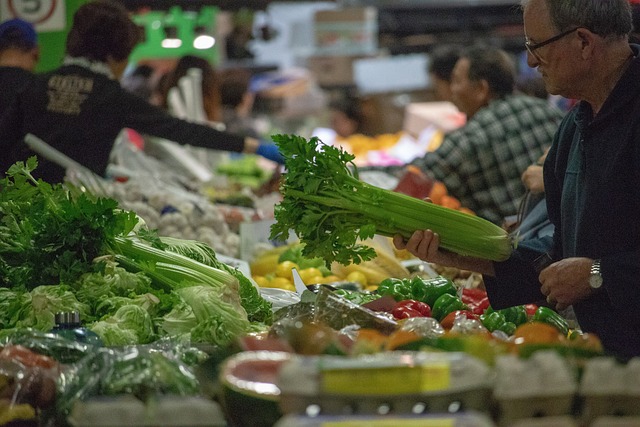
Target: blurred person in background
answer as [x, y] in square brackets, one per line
[347, 117]
[210, 85]
[442, 59]
[482, 162]
[80, 108]
[19, 54]
[591, 180]
[140, 81]
[532, 86]
[237, 103]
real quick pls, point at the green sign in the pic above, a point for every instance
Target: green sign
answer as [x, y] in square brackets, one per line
[175, 33]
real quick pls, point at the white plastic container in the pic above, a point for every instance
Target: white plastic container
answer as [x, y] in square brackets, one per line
[128, 411]
[610, 388]
[616, 422]
[561, 421]
[543, 385]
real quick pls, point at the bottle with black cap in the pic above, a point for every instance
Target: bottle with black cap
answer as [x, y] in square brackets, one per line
[68, 326]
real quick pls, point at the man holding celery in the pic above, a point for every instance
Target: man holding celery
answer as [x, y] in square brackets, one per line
[591, 177]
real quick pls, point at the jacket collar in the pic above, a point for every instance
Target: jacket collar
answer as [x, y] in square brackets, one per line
[95, 66]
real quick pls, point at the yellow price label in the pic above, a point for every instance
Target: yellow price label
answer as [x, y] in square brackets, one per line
[388, 380]
[393, 422]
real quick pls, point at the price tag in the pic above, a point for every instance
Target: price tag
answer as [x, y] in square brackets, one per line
[388, 380]
[45, 15]
[390, 422]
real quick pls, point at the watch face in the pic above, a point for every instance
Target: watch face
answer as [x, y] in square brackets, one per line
[595, 281]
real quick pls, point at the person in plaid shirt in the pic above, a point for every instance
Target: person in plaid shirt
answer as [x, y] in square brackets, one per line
[482, 162]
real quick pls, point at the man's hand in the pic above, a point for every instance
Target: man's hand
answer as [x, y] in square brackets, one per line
[532, 179]
[566, 282]
[425, 244]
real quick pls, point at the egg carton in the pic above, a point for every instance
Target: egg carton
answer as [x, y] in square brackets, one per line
[543, 385]
[610, 388]
[390, 383]
[128, 411]
[556, 421]
[611, 421]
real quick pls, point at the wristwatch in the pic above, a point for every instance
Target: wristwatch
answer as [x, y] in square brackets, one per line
[595, 280]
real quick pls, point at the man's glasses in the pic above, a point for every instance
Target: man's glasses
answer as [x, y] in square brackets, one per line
[532, 47]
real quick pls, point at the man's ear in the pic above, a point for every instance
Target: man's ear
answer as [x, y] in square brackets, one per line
[587, 41]
[483, 93]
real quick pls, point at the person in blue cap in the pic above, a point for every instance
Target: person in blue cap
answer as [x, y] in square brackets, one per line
[19, 54]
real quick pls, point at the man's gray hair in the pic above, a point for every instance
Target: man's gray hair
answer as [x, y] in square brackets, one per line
[607, 18]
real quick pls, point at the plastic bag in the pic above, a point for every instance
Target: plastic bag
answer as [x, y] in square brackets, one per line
[27, 383]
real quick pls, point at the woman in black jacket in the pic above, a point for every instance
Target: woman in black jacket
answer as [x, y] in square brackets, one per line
[80, 108]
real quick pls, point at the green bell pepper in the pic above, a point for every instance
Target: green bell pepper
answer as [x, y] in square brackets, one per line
[429, 290]
[547, 315]
[516, 315]
[445, 304]
[399, 289]
[496, 321]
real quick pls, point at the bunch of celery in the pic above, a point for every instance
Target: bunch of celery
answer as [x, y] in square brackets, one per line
[331, 210]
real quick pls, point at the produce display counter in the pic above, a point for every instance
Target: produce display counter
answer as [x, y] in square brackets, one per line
[185, 339]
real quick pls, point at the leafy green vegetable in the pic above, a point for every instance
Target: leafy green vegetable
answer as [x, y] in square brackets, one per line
[258, 309]
[130, 325]
[244, 170]
[46, 301]
[148, 302]
[12, 304]
[110, 279]
[331, 210]
[168, 268]
[219, 315]
[49, 234]
[180, 320]
[75, 251]
[146, 375]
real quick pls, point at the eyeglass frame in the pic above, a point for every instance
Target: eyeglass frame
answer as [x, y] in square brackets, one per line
[532, 47]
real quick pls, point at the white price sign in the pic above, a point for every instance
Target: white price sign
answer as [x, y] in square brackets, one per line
[46, 15]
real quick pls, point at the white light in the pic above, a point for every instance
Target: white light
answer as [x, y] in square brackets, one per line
[171, 43]
[204, 42]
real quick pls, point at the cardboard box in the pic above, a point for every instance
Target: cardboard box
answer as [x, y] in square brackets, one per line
[349, 31]
[421, 115]
[332, 70]
[385, 74]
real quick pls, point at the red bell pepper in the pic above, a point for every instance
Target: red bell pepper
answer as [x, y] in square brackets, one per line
[530, 309]
[410, 308]
[476, 299]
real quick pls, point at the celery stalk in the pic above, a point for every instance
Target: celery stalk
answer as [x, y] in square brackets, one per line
[331, 210]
